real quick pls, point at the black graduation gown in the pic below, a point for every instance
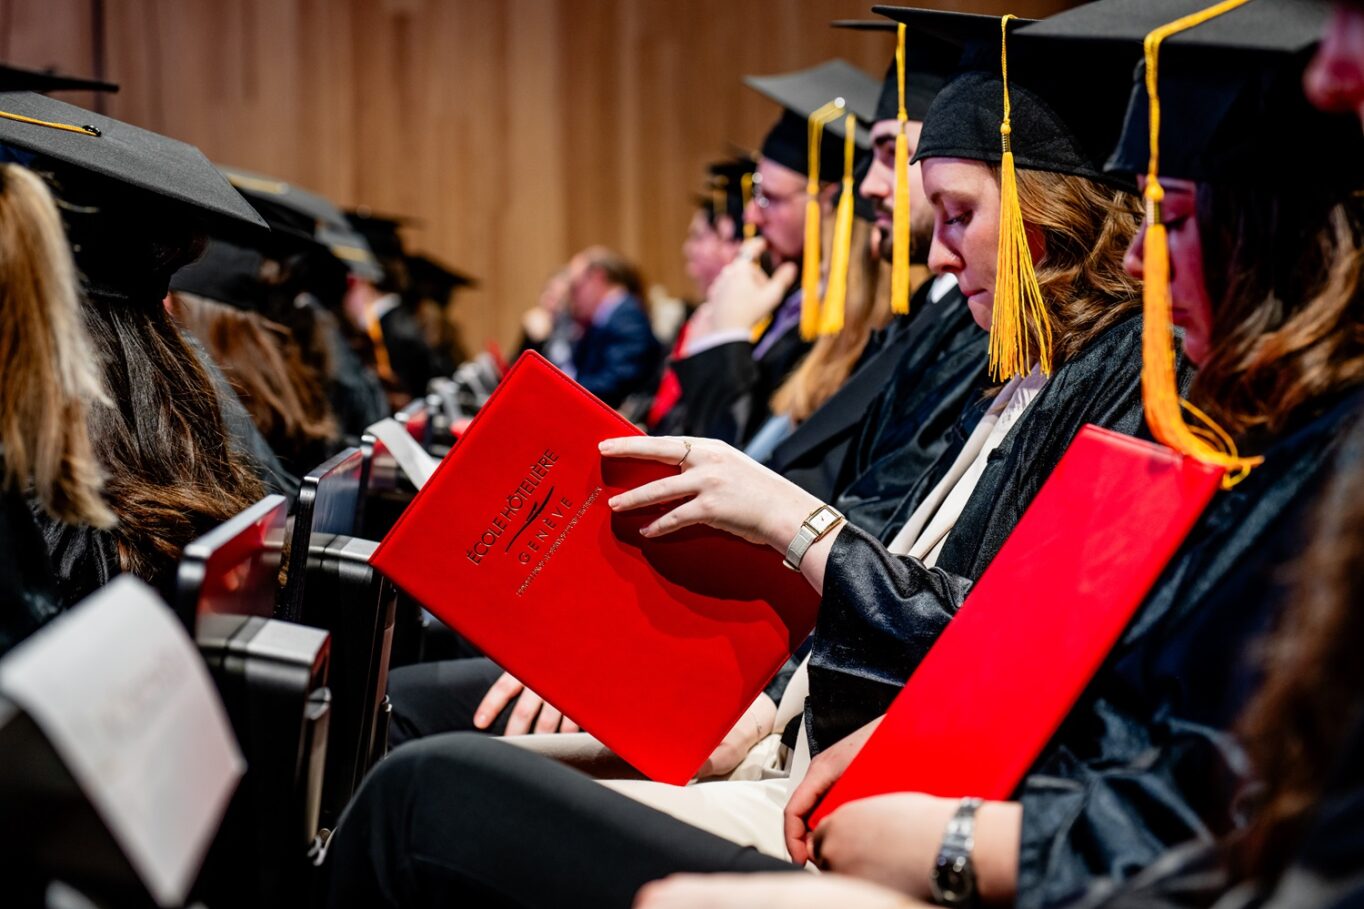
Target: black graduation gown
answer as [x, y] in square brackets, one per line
[813, 456]
[84, 559]
[881, 613]
[897, 455]
[356, 394]
[1326, 870]
[413, 360]
[28, 590]
[727, 393]
[1146, 760]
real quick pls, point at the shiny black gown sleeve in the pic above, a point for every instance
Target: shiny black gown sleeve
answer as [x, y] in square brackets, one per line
[28, 589]
[880, 615]
[82, 558]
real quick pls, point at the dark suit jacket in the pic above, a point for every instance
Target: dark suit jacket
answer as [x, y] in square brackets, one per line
[413, 360]
[620, 357]
[727, 394]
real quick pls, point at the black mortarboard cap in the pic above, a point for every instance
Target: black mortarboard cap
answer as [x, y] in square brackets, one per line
[381, 231]
[728, 179]
[288, 206]
[430, 279]
[1062, 119]
[227, 273]
[1232, 105]
[127, 155]
[929, 61]
[19, 79]
[803, 92]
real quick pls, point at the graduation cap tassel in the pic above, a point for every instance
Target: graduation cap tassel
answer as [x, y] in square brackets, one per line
[65, 127]
[810, 272]
[1160, 389]
[376, 336]
[1020, 317]
[836, 295]
[899, 270]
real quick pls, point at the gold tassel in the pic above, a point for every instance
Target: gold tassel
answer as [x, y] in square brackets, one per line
[899, 270]
[1207, 442]
[836, 294]
[810, 272]
[85, 130]
[1019, 322]
[376, 336]
[746, 187]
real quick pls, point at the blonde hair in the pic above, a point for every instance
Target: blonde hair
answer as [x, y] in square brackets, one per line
[833, 357]
[1086, 228]
[51, 372]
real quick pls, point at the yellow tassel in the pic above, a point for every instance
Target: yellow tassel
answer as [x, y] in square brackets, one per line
[809, 279]
[836, 294]
[1207, 442]
[375, 330]
[746, 187]
[1020, 330]
[811, 266]
[899, 270]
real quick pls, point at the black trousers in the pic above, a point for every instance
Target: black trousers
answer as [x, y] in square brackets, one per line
[431, 698]
[466, 820]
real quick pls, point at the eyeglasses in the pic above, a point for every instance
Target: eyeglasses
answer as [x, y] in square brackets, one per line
[766, 200]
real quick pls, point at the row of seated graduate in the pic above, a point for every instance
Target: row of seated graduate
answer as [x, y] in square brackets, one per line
[1214, 760]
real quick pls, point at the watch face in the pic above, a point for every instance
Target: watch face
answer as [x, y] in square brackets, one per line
[822, 519]
[954, 881]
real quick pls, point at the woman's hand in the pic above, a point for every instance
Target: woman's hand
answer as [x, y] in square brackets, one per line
[719, 486]
[754, 726]
[894, 841]
[782, 890]
[820, 777]
[890, 839]
[531, 713]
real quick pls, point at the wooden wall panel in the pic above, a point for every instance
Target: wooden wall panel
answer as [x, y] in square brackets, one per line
[514, 132]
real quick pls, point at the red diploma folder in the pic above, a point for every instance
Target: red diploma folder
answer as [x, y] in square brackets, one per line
[1037, 626]
[656, 647]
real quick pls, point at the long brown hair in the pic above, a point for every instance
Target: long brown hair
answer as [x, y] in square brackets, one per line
[49, 371]
[172, 470]
[1086, 228]
[284, 395]
[832, 358]
[1295, 727]
[1284, 271]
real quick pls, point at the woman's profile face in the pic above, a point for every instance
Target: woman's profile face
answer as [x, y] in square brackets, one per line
[965, 199]
[1191, 305]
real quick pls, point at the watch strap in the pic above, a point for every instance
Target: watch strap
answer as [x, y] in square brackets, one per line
[809, 534]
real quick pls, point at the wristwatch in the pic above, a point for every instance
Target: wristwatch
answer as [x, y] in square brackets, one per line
[954, 875]
[814, 528]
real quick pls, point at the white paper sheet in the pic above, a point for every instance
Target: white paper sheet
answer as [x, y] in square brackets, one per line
[122, 694]
[411, 457]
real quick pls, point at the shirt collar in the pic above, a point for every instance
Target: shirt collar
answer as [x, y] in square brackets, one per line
[384, 305]
[609, 304]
